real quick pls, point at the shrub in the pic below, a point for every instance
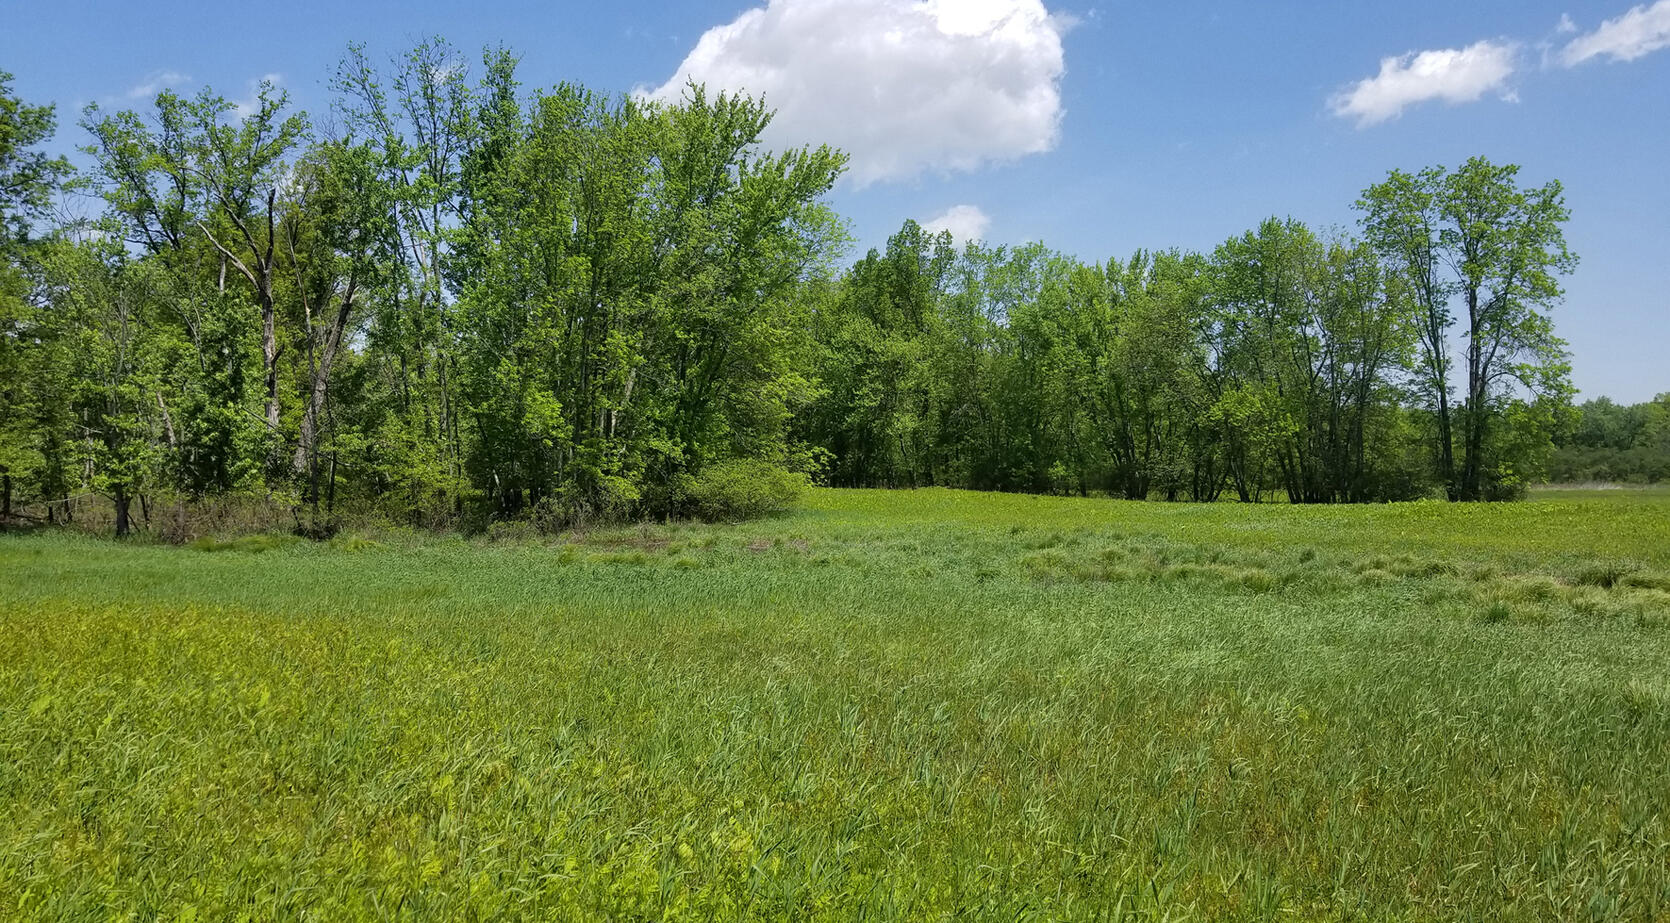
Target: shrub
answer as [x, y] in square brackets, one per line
[738, 488]
[1505, 485]
[597, 498]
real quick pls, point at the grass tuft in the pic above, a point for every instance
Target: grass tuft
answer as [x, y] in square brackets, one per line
[1647, 581]
[1257, 580]
[1604, 574]
[355, 544]
[251, 544]
[1497, 611]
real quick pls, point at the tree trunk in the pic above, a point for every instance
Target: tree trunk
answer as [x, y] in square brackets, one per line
[330, 498]
[269, 359]
[167, 423]
[123, 501]
[1472, 474]
[1446, 446]
[308, 436]
[259, 272]
[1472, 423]
[1437, 360]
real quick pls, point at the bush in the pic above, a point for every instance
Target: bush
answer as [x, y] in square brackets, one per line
[738, 488]
[1505, 489]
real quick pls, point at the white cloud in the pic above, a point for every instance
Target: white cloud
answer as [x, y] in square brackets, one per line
[1640, 31]
[965, 222]
[903, 86]
[247, 106]
[1454, 75]
[1566, 26]
[155, 82]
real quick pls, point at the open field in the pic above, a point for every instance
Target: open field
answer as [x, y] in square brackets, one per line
[911, 705]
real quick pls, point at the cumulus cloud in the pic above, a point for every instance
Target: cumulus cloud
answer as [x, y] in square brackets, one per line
[903, 86]
[1640, 31]
[965, 222]
[155, 82]
[1454, 75]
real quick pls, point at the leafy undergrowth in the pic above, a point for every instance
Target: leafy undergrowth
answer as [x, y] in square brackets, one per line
[886, 705]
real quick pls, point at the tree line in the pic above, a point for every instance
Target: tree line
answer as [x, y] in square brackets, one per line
[1619, 443]
[1283, 364]
[453, 299]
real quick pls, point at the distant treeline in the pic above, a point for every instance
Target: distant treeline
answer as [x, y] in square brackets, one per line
[1627, 444]
[1281, 366]
[453, 298]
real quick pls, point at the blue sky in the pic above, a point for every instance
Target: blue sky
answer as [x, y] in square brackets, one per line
[1098, 127]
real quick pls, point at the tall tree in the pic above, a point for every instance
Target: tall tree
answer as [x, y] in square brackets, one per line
[337, 237]
[433, 136]
[29, 179]
[194, 171]
[102, 307]
[1403, 219]
[629, 319]
[1475, 244]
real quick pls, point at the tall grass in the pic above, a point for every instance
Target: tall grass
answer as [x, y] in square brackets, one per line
[923, 705]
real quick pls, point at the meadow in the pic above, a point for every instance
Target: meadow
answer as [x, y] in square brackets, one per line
[884, 705]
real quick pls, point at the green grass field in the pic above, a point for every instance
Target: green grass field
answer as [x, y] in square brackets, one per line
[912, 705]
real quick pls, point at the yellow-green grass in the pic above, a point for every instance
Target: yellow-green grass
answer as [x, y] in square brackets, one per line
[911, 705]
